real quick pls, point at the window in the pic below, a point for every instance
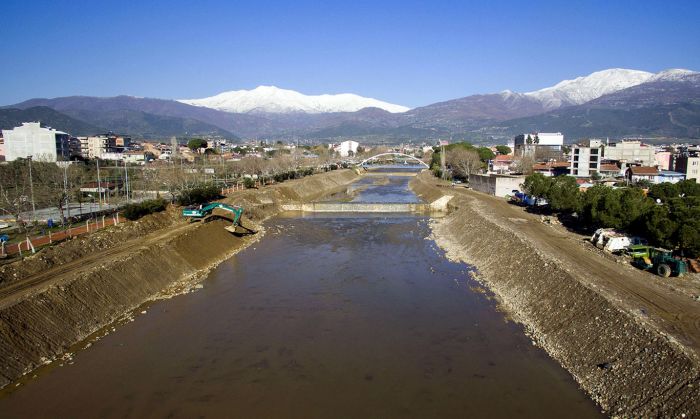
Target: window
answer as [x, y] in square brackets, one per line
[594, 158]
[576, 151]
[594, 151]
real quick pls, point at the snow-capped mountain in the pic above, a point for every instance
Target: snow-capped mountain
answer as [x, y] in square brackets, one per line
[674, 74]
[271, 99]
[584, 89]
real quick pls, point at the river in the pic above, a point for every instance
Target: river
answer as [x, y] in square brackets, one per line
[328, 316]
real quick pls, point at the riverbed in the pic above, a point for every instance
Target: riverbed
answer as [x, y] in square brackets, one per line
[327, 316]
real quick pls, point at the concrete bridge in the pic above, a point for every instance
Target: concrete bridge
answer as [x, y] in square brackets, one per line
[415, 159]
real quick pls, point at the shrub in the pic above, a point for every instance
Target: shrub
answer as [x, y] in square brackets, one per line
[248, 183]
[199, 195]
[135, 211]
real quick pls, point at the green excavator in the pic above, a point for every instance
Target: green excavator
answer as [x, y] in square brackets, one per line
[217, 210]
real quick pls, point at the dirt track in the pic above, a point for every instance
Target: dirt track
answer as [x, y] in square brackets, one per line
[628, 337]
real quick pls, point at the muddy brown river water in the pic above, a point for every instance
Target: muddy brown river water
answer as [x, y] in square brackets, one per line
[328, 316]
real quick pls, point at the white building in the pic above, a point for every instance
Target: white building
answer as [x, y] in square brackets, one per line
[631, 152]
[528, 143]
[498, 185]
[586, 158]
[30, 139]
[347, 148]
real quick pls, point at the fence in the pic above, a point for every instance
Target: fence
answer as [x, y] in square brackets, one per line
[30, 244]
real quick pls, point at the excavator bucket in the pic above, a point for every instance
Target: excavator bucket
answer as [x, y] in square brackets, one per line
[241, 228]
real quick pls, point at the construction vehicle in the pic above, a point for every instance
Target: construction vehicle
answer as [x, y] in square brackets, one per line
[217, 210]
[657, 260]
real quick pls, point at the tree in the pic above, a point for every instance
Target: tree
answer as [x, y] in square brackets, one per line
[14, 189]
[664, 191]
[463, 162]
[657, 226]
[563, 194]
[529, 139]
[503, 149]
[485, 153]
[524, 165]
[537, 185]
[196, 143]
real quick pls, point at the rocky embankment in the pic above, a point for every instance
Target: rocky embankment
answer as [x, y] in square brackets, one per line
[630, 369]
[158, 256]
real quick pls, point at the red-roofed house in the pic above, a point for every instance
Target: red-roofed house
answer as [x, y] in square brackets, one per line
[554, 168]
[637, 173]
[609, 169]
[501, 164]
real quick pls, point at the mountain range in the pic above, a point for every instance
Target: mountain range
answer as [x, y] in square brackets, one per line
[613, 102]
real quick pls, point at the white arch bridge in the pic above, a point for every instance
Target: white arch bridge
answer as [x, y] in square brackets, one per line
[364, 162]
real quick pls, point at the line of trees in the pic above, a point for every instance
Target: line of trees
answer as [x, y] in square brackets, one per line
[463, 159]
[668, 215]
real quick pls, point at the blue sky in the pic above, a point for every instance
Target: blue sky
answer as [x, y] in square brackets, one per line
[411, 52]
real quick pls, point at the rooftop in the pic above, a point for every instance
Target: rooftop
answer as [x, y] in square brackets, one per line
[644, 170]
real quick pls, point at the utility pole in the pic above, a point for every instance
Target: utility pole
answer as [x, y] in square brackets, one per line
[31, 188]
[99, 185]
[65, 189]
[126, 181]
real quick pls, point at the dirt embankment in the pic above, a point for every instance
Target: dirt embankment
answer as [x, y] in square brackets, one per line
[60, 296]
[627, 361]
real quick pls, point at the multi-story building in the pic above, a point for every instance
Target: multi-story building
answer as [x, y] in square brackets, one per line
[586, 158]
[631, 152]
[96, 146]
[689, 165]
[30, 139]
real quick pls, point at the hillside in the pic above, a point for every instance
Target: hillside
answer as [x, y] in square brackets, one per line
[150, 118]
[10, 118]
[665, 106]
[614, 102]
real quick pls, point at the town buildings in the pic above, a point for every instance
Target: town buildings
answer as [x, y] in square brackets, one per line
[30, 139]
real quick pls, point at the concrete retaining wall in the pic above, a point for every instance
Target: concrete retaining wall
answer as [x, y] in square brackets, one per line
[356, 207]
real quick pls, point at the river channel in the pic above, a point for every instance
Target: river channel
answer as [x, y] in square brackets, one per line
[328, 316]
